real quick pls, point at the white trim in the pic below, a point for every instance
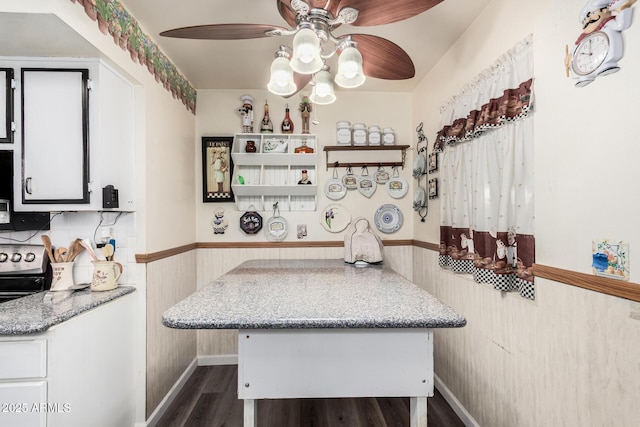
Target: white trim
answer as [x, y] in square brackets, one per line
[171, 395]
[455, 404]
[225, 359]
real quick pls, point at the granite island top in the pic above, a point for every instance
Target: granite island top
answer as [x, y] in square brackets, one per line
[36, 313]
[300, 294]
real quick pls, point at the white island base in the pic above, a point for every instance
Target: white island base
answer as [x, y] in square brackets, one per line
[326, 363]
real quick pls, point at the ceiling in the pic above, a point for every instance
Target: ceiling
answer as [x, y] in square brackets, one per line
[240, 64]
[244, 64]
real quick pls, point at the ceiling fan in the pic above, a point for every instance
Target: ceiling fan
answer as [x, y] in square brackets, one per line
[379, 58]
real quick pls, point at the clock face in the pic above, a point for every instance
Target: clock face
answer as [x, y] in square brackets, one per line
[590, 53]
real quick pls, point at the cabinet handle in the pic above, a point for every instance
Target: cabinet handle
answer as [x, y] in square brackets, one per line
[27, 186]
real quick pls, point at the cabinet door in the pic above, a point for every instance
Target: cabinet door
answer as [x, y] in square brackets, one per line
[24, 404]
[55, 137]
[6, 105]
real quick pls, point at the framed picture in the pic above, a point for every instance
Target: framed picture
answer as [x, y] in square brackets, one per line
[432, 162]
[433, 188]
[217, 169]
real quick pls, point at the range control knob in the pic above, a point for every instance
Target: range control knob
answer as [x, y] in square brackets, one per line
[3, 257]
[16, 257]
[29, 257]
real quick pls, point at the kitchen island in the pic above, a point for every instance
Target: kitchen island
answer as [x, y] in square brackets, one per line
[322, 328]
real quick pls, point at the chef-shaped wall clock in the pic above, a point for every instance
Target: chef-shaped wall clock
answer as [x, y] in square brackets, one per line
[599, 48]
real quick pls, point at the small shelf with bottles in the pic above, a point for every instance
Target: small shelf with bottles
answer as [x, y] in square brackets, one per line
[277, 171]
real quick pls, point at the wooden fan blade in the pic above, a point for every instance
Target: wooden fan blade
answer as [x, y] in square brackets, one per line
[383, 59]
[287, 12]
[379, 12]
[289, 15]
[301, 80]
[222, 31]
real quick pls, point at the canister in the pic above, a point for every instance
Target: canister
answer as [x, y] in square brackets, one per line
[343, 133]
[388, 136]
[374, 135]
[359, 134]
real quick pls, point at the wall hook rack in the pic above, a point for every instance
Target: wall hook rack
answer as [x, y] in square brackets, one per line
[349, 148]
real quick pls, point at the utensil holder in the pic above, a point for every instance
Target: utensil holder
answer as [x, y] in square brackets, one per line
[62, 279]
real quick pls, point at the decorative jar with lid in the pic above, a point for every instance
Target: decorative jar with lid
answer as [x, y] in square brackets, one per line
[374, 135]
[388, 136]
[343, 133]
[359, 134]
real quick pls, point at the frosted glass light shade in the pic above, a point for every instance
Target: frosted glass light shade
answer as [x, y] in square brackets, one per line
[350, 73]
[306, 52]
[281, 80]
[322, 93]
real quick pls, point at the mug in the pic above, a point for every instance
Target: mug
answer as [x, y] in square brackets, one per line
[105, 275]
[62, 279]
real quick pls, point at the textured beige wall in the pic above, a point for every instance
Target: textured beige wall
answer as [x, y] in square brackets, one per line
[570, 358]
[212, 263]
[169, 351]
[217, 115]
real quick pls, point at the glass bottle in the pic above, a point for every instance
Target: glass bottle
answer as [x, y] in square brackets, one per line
[304, 148]
[287, 124]
[266, 126]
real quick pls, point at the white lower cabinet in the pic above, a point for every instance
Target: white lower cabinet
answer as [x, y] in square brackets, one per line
[23, 403]
[78, 373]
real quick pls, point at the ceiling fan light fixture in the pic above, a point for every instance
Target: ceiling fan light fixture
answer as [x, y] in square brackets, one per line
[323, 93]
[281, 80]
[350, 72]
[306, 52]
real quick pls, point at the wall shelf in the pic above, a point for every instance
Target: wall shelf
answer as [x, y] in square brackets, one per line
[344, 149]
[271, 173]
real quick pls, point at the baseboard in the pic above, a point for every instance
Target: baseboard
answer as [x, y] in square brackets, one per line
[171, 395]
[226, 359]
[455, 404]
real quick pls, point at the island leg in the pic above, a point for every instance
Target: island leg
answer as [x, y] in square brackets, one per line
[251, 413]
[418, 411]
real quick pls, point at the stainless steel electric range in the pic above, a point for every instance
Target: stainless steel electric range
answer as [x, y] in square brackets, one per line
[24, 270]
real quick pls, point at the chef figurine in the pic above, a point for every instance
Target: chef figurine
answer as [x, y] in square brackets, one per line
[219, 222]
[304, 179]
[610, 17]
[247, 113]
[305, 112]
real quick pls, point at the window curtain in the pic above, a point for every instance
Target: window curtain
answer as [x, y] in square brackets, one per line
[487, 176]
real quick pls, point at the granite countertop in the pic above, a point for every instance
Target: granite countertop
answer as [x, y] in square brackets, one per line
[36, 313]
[280, 294]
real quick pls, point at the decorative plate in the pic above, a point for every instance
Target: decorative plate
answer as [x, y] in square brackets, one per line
[335, 218]
[397, 187]
[388, 218]
[276, 228]
[419, 166]
[419, 199]
[382, 176]
[274, 146]
[350, 180]
[251, 222]
[366, 184]
[335, 189]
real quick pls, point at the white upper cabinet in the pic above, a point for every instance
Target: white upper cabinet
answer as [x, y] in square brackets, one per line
[74, 135]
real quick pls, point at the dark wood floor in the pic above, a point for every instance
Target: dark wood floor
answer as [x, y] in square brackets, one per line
[209, 398]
